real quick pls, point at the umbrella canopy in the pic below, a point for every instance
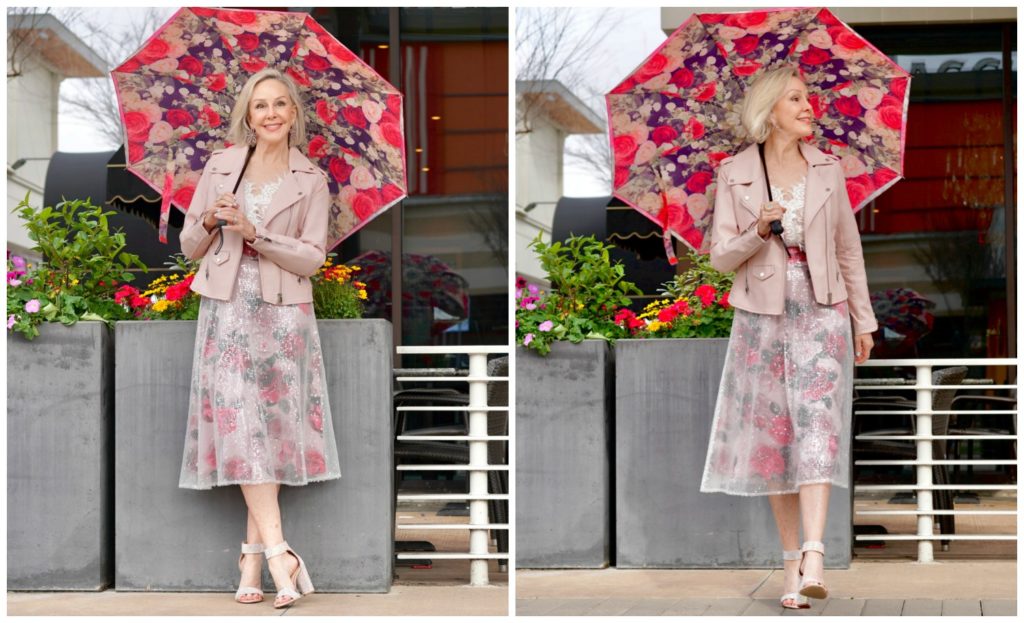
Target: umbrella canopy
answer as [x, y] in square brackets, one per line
[677, 116]
[427, 282]
[176, 94]
[903, 311]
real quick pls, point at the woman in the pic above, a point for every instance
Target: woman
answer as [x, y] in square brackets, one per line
[258, 411]
[781, 424]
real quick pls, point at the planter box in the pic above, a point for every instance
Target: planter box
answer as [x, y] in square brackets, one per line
[59, 424]
[665, 392]
[563, 466]
[179, 539]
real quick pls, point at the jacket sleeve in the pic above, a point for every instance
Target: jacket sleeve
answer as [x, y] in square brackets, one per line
[305, 253]
[851, 264]
[729, 246]
[194, 238]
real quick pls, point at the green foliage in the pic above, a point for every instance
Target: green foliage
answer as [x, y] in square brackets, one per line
[83, 265]
[336, 292]
[586, 290]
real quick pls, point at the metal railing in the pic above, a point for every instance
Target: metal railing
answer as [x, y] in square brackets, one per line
[924, 461]
[478, 467]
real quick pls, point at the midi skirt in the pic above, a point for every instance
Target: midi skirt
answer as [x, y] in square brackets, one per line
[782, 418]
[258, 408]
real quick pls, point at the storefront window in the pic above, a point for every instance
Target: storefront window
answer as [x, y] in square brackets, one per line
[942, 232]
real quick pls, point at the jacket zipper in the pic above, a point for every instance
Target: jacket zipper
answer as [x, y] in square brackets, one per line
[828, 235]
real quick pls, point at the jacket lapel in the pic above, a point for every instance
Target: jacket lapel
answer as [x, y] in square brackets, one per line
[747, 171]
[818, 186]
[290, 191]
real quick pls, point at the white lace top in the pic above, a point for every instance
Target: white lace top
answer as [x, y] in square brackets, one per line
[793, 220]
[256, 202]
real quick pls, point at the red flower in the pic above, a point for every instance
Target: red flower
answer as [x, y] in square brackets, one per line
[706, 293]
[316, 418]
[625, 86]
[390, 193]
[183, 196]
[781, 429]
[315, 62]
[883, 176]
[664, 134]
[849, 40]
[248, 41]
[317, 147]
[241, 18]
[336, 50]
[815, 56]
[654, 66]
[125, 294]
[667, 314]
[315, 463]
[715, 158]
[366, 203]
[178, 117]
[827, 17]
[298, 76]
[340, 169]
[354, 115]
[211, 117]
[753, 18]
[849, 106]
[325, 111]
[129, 65]
[137, 125]
[236, 468]
[191, 65]
[892, 116]
[746, 68]
[216, 82]
[858, 188]
[698, 182]
[724, 301]
[394, 103]
[624, 147]
[746, 45]
[154, 51]
[621, 176]
[818, 105]
[675, 217]
[898, 88]
[392, 133]
[711, 18]
[252, 65]
[706, 91]
[682, 78]
[768, 462]
[693, 237]
[694, 129]
[682, 307]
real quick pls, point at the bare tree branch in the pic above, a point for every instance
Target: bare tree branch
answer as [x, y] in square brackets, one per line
[19, 38]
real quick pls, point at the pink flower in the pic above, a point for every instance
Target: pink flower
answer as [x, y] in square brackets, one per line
[768, 462]
[18, 261]
[32, 306]
[315, 463]
[211, 457]
[781, 429]
[316, 418]
[272, 385]
[547, 325]
[10, 321]
[236, 468]
[226, 421]
[777, 366]
[527, 339]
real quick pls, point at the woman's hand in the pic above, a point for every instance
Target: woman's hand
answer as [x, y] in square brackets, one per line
[226, 208]
[771, 211]
[862, 345]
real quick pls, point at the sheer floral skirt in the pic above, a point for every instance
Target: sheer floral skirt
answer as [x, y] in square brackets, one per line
[258, 407]
[782, 418]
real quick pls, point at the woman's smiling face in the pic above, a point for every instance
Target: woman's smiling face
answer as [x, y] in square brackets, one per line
[271, 111]
[792, 114]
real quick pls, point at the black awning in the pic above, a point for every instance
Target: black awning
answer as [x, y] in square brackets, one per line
[128, 193]
[630, 230]
[85, 176]
[579, 216]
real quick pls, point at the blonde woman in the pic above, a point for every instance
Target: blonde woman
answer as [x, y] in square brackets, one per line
[782, 421]
[258, 412]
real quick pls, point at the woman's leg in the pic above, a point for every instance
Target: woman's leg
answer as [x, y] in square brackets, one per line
[814, 510]
[252, 564]
[786, 509]
[266, 514]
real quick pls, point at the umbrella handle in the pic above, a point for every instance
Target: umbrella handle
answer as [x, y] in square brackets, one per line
[775, 225]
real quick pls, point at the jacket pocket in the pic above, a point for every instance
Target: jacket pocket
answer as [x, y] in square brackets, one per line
[762, 271]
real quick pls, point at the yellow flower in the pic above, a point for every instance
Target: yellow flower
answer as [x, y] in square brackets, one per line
[654, 325]
[162, 305]
[362, 294]
[74, 282]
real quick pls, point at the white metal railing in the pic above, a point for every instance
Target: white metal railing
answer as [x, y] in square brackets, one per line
[478, 467]
[924, 461]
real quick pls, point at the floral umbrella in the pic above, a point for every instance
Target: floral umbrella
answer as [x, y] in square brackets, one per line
[427, 282]
[176, 93]
[903, 311]
[676, 117]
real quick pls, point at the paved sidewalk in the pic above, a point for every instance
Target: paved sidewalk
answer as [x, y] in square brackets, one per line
[868, 588]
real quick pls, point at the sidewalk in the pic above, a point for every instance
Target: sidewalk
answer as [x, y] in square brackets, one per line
[440, 591]
[866, 588]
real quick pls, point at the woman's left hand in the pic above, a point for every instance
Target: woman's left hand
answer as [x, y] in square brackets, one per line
[862, 345]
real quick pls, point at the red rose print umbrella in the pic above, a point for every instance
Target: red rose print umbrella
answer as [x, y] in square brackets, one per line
[903, 311]
[677, 116]
[176, 93]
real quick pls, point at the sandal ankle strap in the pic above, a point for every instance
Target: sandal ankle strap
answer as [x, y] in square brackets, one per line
[813, 546]
[277, 550]
[791, 554]
[252, 548]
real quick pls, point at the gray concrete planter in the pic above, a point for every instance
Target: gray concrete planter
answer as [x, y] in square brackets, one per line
[177, 539]
[59, 424]
[665, 392]
[563, 465]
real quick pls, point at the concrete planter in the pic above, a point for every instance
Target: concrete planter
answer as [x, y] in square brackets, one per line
[563, 465]
[59, 424]
[177, 539]
[665, 392]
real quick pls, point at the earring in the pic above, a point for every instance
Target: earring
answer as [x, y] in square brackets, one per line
[292, 134]
[250, 136]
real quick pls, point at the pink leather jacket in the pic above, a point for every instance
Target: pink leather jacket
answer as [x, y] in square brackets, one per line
[831, 239]
[291, 241]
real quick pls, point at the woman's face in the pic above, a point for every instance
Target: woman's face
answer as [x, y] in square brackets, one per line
[792, 114]
[271, 112]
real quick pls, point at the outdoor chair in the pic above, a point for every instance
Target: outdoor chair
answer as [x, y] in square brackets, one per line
[942, 400]
[978, 424]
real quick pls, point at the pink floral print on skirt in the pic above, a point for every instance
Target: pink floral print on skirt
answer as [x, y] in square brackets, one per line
[783, 413]
[258, 408]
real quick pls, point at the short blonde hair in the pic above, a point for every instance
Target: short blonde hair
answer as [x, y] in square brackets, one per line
[761, 97]
[239, 123]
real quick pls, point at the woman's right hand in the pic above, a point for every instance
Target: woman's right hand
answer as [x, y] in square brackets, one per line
[217, 211]
[771, 211]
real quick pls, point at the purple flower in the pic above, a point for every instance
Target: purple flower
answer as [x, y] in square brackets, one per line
[10, 321]
[519, 293]
[533, 289]
[546, 325]
[527, 339]
[18, 261]
[32, 306]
